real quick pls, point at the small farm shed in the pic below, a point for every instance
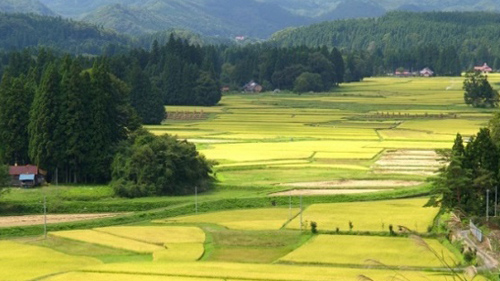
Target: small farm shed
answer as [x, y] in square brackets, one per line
[426, 72]
[252, 87]
[26, 176]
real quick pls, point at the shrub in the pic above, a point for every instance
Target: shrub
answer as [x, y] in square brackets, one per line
[150, 165]
[314, 227]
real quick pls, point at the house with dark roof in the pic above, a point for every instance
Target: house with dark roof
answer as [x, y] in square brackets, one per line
[26, 176]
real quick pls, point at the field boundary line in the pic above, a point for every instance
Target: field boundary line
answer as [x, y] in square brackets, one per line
[124, 237]
[374, 266]
[290, 219]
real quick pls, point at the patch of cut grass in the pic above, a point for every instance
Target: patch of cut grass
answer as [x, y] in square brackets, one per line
[254, 246]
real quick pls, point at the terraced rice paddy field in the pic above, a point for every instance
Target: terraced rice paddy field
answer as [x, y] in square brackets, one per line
[351, 154]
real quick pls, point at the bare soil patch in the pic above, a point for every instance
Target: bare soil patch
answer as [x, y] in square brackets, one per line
[406, 152]
[311, 192]
[408, 162]
[354, 183]
[406, 172]
[38, 219]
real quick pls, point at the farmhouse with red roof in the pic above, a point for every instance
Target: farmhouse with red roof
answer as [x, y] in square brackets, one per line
[26, 176]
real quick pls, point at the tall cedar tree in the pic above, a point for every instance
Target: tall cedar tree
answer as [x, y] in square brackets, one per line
[43, 120]
[16, 96]
[145, 97]
[75, 118]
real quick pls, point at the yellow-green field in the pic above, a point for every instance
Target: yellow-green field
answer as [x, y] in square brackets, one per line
[166, 243]
[100, 238]
[369, 216]
[25, 262]
[348, 127]
[161, 235]
[257, 272]
[251, 219]
[360, 250]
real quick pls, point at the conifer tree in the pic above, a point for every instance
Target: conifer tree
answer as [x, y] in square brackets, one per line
[16, 97]
[43, 120]
[145, 98]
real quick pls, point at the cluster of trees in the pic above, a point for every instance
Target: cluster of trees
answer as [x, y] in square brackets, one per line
[473, 170]
[447, 42]
[297, 68]
[178, 73]
[63, 118]
[478, 91]
[148, 165]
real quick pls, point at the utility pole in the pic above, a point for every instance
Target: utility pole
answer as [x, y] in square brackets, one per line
[45, 217]
[301, 224]
[487, 203]
[496, 199]
[196, 199]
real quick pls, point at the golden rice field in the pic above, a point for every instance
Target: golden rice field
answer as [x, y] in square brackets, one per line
[100, 238]
[344, 128]
[25, 262]
[369, 216]
[160, 235]
[369, 250]
[245, 219]
[86, 276]
[166, 243]
[258, 272]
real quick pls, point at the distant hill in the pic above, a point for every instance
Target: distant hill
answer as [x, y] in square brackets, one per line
[355, 9]
[227, 18]
[401, 30]
[18, 31]
[25, 6]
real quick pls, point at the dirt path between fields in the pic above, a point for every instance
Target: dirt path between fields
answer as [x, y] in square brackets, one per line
[312, 192]
[354, 183]
[38, 219]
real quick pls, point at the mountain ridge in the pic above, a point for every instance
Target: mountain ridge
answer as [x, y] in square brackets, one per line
[225, 18]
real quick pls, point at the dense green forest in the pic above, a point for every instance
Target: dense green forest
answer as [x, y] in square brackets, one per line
[408, 40]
